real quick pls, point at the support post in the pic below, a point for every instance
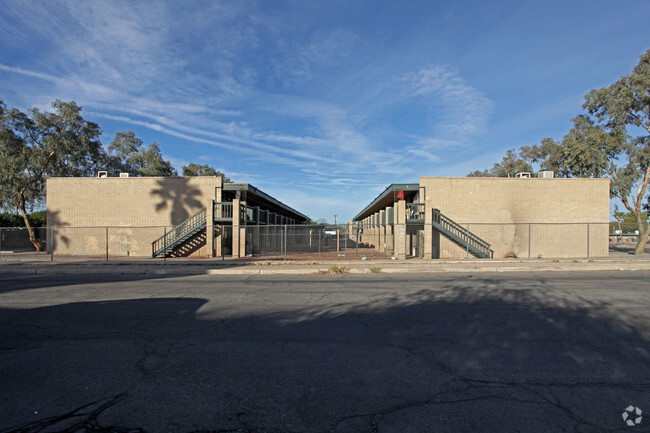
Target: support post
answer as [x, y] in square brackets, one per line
[399, 228]
[428, 233]
[235, 227]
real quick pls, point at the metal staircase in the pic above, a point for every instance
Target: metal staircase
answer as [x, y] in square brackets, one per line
[177, 236]
[463, 237]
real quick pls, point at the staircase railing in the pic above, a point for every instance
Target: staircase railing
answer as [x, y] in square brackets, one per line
[477, 246]
[179, 234]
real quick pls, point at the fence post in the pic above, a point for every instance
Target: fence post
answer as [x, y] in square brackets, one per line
[588, 239]
[357, 244]
[52, 247]
[0, 243]
[164, 243]
[529, 234]
[467, 242]
[106, 243]
[285, 242]
[319, 233]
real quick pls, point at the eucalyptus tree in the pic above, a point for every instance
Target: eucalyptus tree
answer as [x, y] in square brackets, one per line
[127, 153]
[512, 163]
[35, 145]
[613, 139]
[193, 169]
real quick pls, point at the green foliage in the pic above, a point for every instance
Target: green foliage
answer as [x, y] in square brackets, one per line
[339, 270]
[510, 165]
[127, 153]
[601, 142]
[11, 220]
[35, 145]
[547, 155]
[36, 219]
[612, 139]
[203, 170]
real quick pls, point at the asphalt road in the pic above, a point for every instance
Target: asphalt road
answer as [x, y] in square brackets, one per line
[489, 352]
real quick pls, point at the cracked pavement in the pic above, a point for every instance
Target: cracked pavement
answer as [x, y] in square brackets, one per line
[324, 353]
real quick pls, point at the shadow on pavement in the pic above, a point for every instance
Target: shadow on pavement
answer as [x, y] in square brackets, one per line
[24, 278]
[479, 356]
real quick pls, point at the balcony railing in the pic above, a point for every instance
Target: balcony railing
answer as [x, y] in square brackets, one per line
[415, 212]
[223, 212]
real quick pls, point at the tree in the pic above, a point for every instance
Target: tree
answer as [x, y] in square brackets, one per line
[128, 154]
[203, 170]
[548, 154]
[510, 165]
[36, 145]
[601, 141]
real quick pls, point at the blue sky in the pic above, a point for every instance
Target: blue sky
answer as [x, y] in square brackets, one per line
[322, 104]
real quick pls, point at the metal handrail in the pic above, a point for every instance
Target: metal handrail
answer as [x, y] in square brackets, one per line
[461, 232]
[222, 211]
[178, 232]
[251, 214]
[415, 211]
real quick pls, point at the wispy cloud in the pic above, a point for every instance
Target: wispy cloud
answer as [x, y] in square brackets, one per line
[323, 110]
[465, 111]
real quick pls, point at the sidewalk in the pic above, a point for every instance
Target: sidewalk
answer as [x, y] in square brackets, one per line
[40, 263]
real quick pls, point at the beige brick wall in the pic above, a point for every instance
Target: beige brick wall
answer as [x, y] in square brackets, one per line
[135, 210]
[567, 217]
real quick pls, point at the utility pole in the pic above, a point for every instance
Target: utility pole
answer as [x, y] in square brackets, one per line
[335, 221]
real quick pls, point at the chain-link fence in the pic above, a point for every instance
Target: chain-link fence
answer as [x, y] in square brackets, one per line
[306, 242]
[271, 241]
[506, 240]
[292, 240]
[17, 238]
[539, 240]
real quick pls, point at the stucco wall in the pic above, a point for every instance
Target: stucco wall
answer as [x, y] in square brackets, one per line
[136, 210]
[522, 217]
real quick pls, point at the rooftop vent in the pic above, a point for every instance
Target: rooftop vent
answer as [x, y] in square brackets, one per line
[523, 174]
[124, 174]
[102, 174]
[548, 174]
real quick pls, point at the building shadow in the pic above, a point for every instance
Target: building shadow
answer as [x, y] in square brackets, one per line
[469, 355]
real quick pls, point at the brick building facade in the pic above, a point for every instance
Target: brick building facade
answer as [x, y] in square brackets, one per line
[145, 216]
[443, 217]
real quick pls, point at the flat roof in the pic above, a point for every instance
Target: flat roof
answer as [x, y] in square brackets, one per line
[385, 199]
[250, 189]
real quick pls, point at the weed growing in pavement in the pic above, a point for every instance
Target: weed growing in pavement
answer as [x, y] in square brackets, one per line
[375, 269]
[334, 269]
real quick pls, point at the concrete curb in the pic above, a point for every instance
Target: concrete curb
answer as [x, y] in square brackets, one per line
[312, 268]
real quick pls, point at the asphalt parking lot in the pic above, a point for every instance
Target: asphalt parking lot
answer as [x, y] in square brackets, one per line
[525, 351]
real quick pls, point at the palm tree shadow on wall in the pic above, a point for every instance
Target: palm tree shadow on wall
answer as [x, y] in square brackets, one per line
[178, 199]
[56, 231]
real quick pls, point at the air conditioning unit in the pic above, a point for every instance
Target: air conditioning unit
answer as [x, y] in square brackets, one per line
[102, 174]
[549, 174]
[523, 174]
[124, 174]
